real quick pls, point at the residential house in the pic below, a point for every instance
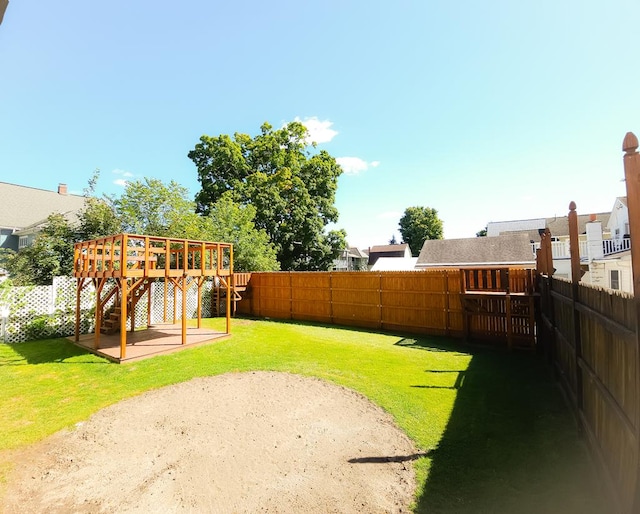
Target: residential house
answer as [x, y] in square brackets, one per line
[395, 264]
[23, 211]
[504, 250]
[397, 251]
[351, 259]
[609, 262]
[603, 240]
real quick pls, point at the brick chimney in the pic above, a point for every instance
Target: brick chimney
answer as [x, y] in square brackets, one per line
[62, 189]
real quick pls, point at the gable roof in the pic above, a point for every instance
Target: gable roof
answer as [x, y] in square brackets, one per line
[22, 206]
[356, 253]
[512, 248]
[557, 225]
[378, 251]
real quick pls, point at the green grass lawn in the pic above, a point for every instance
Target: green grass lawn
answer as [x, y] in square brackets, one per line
[493, 429]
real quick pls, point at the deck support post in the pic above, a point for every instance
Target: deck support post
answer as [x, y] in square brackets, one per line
[184, 309]
[123, 316]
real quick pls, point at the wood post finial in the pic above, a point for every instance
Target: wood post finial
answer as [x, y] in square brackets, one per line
[572, 206]
[630, 143]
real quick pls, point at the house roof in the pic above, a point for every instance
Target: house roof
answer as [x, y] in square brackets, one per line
[511, 248]
[22, 206]
[375, 252]
[357, 253]
[387, 249]
[557, 225]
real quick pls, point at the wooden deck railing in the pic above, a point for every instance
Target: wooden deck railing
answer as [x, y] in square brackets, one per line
[131, 255]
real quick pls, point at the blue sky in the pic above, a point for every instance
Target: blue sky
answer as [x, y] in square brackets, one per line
[485, 111]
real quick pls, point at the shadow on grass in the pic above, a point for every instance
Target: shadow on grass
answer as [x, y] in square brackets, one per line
[44, 351]
[511, 445]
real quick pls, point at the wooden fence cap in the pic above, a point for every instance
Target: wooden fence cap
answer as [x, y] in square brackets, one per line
[630, 143]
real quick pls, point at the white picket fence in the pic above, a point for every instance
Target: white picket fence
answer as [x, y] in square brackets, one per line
[39, 312]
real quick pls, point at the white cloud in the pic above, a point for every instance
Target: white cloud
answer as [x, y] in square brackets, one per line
[122, 182]
[124, 173]
[319, 131]
[355, 165]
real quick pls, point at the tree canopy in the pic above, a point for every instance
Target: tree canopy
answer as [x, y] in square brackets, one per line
[291, 189]
[50, 255]
[232, 223]
[145, 207]
[419, 224]
[154, 208]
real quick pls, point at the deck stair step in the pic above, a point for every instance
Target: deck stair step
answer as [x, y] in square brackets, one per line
[111, 319]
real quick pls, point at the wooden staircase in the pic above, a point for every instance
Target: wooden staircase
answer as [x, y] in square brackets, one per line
[239, 284]
[111, 318]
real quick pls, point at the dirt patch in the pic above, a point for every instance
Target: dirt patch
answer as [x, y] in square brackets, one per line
[239, 442]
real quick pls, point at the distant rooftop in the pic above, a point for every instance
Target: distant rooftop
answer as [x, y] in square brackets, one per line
[23, 206]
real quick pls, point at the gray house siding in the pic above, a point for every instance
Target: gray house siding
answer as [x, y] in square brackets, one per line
[8, 240]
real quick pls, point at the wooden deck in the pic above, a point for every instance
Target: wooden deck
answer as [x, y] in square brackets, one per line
[158, 339]
[122, 267]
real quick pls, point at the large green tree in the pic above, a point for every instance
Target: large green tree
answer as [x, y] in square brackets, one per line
[232, 223]
[50, 255]
[419, 224]
[98, 218]
[154, 208]
[291, 188]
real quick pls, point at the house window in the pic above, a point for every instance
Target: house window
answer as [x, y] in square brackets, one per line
[22, 242]
[615, 278]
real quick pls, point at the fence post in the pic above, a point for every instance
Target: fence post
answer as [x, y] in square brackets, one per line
[574, 245]
[574, 252]
[632, 180]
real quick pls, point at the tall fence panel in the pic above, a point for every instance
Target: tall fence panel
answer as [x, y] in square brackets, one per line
[595, 353]
[420, 302]
[423, 302]
[311, 297]
[356, 299]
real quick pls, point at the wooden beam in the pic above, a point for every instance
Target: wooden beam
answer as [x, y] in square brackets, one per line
[98, 314]
[123, 316]
[184, 308]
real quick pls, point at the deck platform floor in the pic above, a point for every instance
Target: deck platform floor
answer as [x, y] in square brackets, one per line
[158, 339]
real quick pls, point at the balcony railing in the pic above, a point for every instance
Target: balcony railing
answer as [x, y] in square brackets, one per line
[560, 249]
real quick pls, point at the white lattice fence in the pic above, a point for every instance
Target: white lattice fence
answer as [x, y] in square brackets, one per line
[38, 312]
[174, 301]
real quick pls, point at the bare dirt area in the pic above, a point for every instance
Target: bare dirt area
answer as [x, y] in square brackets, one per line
[239, 442]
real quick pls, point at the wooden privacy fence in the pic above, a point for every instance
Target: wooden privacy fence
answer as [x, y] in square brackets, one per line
[425, 302]
[591, 339]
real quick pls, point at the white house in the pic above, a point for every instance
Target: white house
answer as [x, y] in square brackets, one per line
[611, 268]
[603, 240]
[351, 259]
[618, 224]
[397, 251]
